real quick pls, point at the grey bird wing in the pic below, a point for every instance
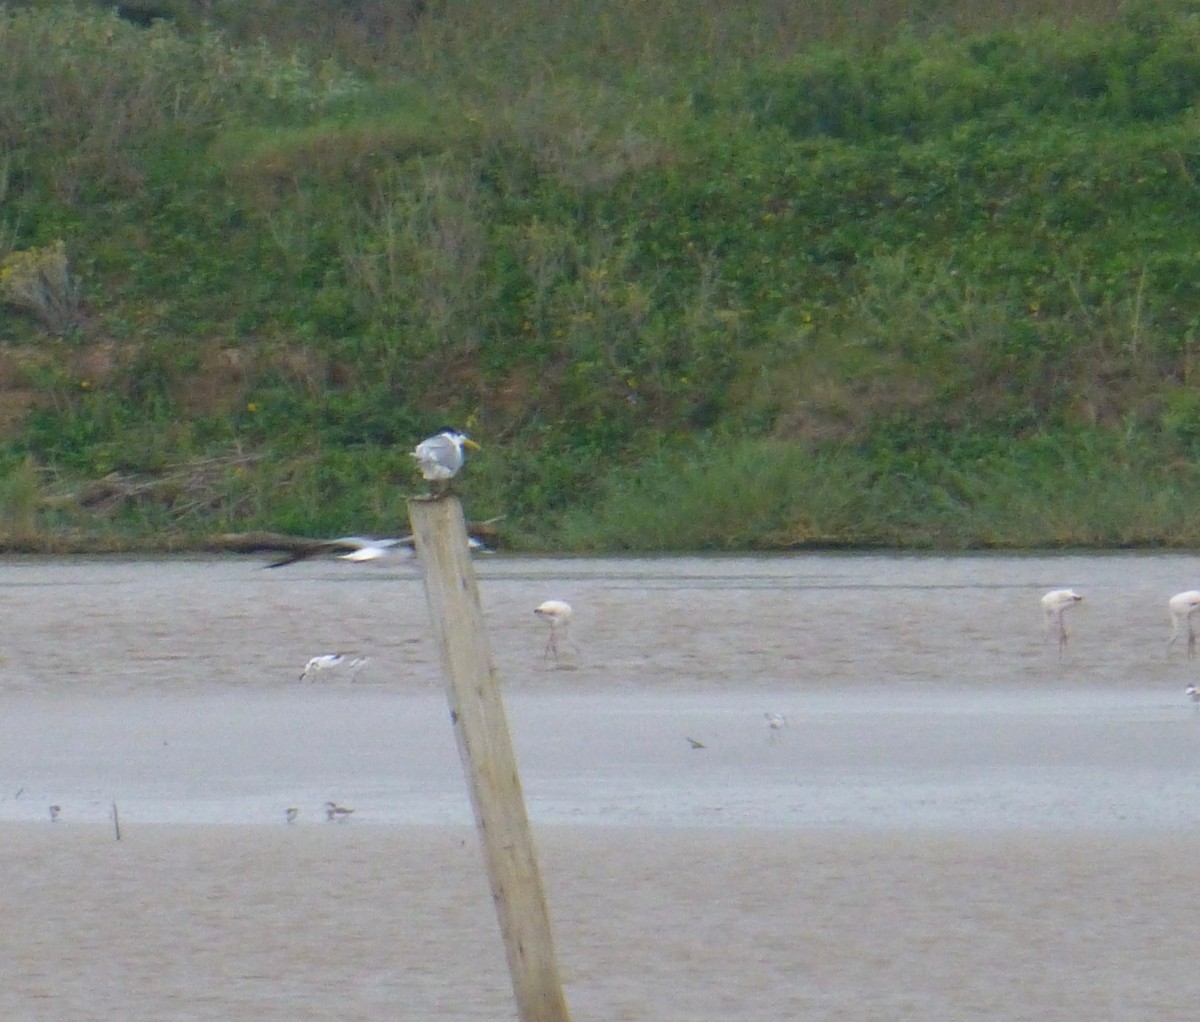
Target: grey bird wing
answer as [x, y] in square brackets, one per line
[303, 550]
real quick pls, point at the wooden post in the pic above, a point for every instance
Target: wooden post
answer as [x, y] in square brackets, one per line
[485, 747]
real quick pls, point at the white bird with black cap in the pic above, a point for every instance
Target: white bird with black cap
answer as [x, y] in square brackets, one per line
[440, 457]
[351, 663]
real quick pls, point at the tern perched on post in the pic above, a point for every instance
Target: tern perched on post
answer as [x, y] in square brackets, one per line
[440, 457]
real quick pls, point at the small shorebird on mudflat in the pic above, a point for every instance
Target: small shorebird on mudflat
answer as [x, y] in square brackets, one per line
[349, 662]
[776, 722]
[333, 811]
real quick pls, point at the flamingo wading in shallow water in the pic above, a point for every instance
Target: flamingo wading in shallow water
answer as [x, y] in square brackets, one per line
[1056, 603]
[1183, 607]
[558, 614]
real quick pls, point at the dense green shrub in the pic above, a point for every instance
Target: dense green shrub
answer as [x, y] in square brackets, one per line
[1140, 68]
[796, 274]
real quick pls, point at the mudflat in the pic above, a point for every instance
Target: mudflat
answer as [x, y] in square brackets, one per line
[223, 922]
[953, 823]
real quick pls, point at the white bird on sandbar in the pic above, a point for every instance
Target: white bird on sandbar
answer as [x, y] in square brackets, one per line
[776, 722]
[329, 661]
[557, 614]
[1183, 607]
[1056, 603]
[440, 457]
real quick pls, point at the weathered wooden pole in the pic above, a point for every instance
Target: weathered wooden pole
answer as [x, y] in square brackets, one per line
[485, 747]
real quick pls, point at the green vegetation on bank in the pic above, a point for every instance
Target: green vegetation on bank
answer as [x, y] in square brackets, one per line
[859, 274]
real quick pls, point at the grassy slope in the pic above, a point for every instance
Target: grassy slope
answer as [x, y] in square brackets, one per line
[846, 276]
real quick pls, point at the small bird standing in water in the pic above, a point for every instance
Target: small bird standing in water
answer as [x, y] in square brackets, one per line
[333, 811]
[1056, 603]
[54, 811]
[329, 661]
[776, 722]
[440, 458]
[291, 813]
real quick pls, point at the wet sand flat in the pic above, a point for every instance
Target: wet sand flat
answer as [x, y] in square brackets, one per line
[954, 824]
[338, 922]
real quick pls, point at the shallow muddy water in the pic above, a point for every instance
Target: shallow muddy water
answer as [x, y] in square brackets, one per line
[102, 626]
[917, 692]
[953, 822]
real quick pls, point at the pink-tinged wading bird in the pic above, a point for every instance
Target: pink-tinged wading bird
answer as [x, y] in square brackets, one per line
[556, 613]
[1056, 603]
[1183, 607]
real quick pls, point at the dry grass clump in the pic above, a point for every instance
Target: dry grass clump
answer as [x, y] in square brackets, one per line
[40, 281]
